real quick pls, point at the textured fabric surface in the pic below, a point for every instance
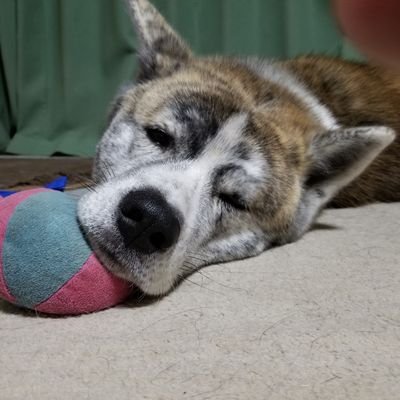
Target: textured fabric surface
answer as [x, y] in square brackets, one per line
[61, 62]
[91, 288]
[43, 247]
[45, 263]
[317, 319]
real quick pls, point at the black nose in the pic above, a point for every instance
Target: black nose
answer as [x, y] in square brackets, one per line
[147, 222]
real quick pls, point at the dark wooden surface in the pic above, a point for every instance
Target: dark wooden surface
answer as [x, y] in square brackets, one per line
[21, 172]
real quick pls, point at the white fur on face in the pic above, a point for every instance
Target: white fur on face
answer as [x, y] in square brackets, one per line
[210, 232]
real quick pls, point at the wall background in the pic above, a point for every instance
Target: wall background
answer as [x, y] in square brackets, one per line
[61, 61]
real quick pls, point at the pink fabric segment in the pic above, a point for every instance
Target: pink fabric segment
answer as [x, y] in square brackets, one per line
[7, 207]
[93, 288]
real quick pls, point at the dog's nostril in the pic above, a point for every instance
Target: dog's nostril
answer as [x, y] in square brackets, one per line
[133, 213]
[158, 240]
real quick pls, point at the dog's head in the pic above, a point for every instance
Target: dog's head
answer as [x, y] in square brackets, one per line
[206, 161]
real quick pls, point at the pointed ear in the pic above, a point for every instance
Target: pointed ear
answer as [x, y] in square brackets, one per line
[336, 159]
[161, 50]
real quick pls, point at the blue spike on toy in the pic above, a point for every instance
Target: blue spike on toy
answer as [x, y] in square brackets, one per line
[58, 184]
[5, 193]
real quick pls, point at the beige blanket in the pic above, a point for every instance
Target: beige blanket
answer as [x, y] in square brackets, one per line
[317, 319]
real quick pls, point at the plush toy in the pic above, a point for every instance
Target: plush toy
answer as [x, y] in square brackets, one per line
[45, 262]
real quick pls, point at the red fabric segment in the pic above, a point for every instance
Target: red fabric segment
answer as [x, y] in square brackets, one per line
[93, 288]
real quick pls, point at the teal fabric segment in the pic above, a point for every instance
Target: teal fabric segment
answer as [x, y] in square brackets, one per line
[43, 247]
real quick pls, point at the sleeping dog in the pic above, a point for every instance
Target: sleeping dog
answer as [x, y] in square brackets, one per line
[207, 160]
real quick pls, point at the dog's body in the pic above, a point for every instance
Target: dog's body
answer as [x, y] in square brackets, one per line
[213, 159]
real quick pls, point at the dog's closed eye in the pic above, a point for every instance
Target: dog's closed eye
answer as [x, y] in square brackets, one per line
[159, 137]
[234, 200]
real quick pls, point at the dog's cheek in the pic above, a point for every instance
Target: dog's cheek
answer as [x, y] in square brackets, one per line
[231, 236]
[112, 153]
[96, 210]
[236, 246]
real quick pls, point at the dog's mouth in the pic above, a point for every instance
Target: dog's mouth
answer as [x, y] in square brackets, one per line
[140, 270]
[107, 255]
[107, 252]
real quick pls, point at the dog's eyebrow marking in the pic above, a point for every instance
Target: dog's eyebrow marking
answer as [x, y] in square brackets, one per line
[199, 123]
[201, 117]
[224, 170]
[242, 151]
[241, 180]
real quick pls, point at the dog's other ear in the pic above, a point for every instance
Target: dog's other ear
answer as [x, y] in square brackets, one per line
[161, 50]
[336, 159]
[340, 156]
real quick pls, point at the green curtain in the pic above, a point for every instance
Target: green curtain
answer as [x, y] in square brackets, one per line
[61, 61]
